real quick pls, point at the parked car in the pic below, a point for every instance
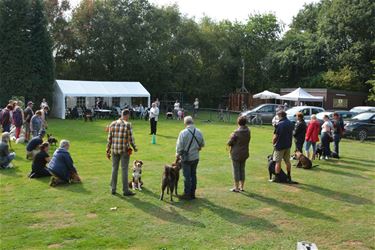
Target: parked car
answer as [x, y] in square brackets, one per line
[265, 111]
[345, 115]
[362, 126]
[361, 109]
[307, 111]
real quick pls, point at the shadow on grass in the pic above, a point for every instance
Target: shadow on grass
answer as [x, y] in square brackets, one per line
[11, 172]
[337, 195]
[160, 213]
[339, 165]
[339, 172]
[363, 163]
[75, 187]
[167, 136]
[289, 207]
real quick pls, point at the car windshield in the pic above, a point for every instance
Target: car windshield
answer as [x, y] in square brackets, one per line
[357, 110]
[363, 116]
[293, 111]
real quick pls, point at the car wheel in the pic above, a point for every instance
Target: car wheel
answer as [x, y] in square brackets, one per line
[362, 135]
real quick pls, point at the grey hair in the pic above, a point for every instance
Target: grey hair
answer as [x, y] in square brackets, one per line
[64, 143]
[188, 120]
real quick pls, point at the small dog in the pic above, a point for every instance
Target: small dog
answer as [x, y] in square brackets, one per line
[136, 182]
[170, 178]
[319, 151]
[21, 139]
[52, 140]
[303, 161]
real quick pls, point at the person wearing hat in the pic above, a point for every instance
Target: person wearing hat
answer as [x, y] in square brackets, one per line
[28, 113]
[32, 147]
[5, 156]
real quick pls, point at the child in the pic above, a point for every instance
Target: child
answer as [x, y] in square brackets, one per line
[39, 165]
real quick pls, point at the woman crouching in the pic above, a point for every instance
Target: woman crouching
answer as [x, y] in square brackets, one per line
[61, 166]
[39, 165]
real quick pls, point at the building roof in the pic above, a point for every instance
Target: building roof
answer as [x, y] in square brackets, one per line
[102, 89]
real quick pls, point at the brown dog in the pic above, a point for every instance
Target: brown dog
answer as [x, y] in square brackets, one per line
[170, 178]
[303, 161]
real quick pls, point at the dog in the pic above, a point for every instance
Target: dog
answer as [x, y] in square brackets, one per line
[303, 161]
[136, 182]
[319, 151]
[21, 139]
[282, 177]
[170, 178]
[52, 140]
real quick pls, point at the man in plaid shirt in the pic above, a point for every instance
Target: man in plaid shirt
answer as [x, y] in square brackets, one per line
[120, 138]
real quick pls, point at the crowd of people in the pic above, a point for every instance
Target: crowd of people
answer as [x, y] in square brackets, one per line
[121, 144]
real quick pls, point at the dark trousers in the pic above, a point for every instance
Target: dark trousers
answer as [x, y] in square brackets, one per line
[40, 173]
[336, 142]
[326, 144]
[299, 144]
[189, 170]
[153, 125]
[6, 128]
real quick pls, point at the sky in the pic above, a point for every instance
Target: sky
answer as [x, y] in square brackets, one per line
[234, 9]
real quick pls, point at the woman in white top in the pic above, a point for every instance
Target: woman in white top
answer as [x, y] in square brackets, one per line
[176, 108]
[196, 107]
[326, 136]
[154, 114]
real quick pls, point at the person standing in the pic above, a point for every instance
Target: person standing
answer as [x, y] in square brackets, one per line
[338, 129]
[157, 102]
[154, 115]
[43, 103]
[36, 123]
[239, 151]
[120, 142]
[299, 132]
[18, 118]
[312, 136]
[282, 142]
[43, 115]
[176, 108]
[196, 107]
[326, 137]
[190, 141]
[5, 156]
[6, 118]
[28, 113]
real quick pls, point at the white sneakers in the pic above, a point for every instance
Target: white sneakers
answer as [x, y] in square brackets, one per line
[10, 165]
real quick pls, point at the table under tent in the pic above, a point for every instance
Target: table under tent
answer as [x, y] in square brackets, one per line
[81, 95]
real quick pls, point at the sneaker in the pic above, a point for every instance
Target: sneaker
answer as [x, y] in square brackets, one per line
[129, 193]
[113, 192]
[234, 190]
[10, 165]
[326, 158]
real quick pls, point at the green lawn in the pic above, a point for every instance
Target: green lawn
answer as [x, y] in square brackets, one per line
[332, 206]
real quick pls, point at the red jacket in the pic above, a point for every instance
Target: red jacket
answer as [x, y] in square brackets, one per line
[313, 130]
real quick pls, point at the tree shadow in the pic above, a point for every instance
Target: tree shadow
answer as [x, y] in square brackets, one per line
[289, 207]
[340, 196]
[364, 163]
[75, 187]
[339, 172]
[344, 166]
[170, 216]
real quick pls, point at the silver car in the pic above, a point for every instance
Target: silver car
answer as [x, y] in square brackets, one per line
[265, 112]
[307, 111]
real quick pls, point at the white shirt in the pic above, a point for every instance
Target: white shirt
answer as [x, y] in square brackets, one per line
[177, 106]
[154, 113]
[196, 105]
[327, 127]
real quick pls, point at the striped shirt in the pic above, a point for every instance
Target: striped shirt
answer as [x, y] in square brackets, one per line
[120, 137]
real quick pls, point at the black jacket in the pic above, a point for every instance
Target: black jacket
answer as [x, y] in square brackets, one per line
[300, 130]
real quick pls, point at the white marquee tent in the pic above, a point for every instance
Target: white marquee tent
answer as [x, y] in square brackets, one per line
[66, 93]
[300, 95]
[266, 95]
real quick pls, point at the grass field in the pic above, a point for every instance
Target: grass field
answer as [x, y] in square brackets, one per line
[332, 206]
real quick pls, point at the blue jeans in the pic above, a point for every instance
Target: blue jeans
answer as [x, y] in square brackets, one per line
[7, 159]
[326, 144]
[189, 169]
[336, 142]
[6, 128]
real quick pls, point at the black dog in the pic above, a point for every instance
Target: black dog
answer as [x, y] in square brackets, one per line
[319, 150]
[170, 178]
[52, 140]
[281, 177]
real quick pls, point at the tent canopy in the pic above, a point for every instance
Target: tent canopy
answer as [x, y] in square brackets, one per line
[102, 89]
[91, 89]
[301, 95]
[266, 95]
